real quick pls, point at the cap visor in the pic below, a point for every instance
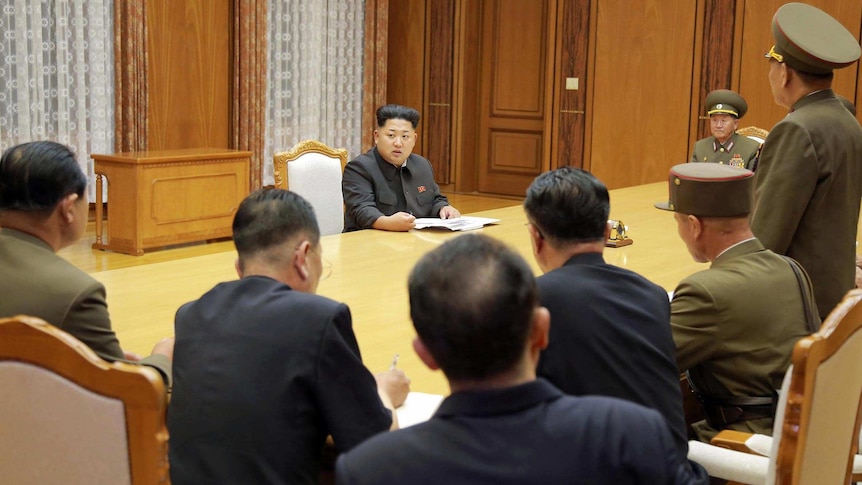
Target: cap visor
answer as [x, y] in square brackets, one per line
[665, 206]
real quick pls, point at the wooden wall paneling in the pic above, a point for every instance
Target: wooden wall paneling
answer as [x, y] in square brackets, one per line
[465, 96]
[189, 73]
[437, 106]
[405, 80]
[515, 93]
[642, 83]
[757, 39]
[716, 66]
[570, 105]
[374, 62]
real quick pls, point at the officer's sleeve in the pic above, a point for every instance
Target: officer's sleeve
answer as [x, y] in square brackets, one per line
[694, 323]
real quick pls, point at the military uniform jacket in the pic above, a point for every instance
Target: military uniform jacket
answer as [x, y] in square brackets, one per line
[735, 325]
[36, 281]
[807, 191]
[743, 149]
[373, 187]
[527, 434]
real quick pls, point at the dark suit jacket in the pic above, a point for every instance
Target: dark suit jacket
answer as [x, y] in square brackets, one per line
[744, 147]
[808, 187]
[262, 374]
[610, 336]
[735, 326]
[526, 434]
[35, 281]
[372, 187]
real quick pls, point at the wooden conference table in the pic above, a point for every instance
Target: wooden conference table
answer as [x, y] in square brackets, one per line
[369, 274]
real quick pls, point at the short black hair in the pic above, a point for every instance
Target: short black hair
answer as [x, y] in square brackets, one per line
[35, 176]
[471, 302]
[270, 217]
[568, 205]
[397, 112]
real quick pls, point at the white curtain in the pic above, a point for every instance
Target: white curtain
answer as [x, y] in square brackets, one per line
[57, 75]
[314, 75]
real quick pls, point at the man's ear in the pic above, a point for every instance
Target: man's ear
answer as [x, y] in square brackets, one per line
[375, 135]
[67, 208]
[536, 237]
[540, 328]
[238, 268]
[424, 355]
[607, 231]
[695, 224]
[786, 74]
[300, 259]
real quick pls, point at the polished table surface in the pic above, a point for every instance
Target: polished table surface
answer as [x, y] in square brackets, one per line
[369, 274]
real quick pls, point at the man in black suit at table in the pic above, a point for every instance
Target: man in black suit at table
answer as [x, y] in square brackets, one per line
[611, 327]
[474, 305]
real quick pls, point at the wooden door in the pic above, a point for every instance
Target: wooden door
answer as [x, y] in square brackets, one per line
[638, 116]
[515, 93]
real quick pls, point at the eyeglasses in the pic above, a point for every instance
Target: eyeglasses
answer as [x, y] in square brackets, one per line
[325, 267]
[325, 264]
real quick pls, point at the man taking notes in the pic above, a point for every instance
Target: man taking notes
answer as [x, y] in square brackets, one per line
[264, 368]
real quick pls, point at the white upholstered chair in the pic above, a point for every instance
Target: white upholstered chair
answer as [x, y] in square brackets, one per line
[69, 417]
[757, 134]
[816, 434]
[313, 170]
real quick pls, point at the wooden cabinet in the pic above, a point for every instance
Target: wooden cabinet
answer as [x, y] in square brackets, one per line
[161, 198]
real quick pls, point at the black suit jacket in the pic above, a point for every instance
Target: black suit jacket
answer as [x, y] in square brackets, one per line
[526, 434]
[262, 374]
[373, 187]
[611, 336]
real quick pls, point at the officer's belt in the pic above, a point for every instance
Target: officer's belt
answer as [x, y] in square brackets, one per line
[722, 412]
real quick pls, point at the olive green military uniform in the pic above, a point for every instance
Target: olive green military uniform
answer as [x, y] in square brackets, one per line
[809, 180]
[735, 324]
[738, 151]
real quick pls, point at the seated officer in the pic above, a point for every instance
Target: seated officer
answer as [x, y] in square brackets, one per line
[43, 209]
[734, 324]
[725, 108]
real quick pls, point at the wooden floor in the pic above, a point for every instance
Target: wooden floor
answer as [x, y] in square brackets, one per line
[82, 255]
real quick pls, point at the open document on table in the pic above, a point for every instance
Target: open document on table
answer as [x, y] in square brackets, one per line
[418, 408]
[463, 223]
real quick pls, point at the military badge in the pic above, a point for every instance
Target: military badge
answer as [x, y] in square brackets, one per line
[737, 161]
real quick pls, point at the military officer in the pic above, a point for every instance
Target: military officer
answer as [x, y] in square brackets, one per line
[725, 146]
[734, 325]
[809, 177]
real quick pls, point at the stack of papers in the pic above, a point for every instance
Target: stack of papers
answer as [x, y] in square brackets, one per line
[418, 408]
[463, 223]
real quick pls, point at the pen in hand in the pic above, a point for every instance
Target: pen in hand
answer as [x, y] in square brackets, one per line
[394, 362]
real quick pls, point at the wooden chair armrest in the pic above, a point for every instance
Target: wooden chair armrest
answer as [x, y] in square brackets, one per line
[732, 440]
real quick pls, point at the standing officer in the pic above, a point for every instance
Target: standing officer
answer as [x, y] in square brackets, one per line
[809, 180]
